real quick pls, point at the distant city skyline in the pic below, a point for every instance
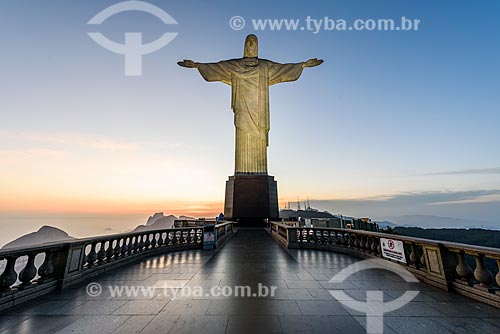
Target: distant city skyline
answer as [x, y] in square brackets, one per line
[393, 123]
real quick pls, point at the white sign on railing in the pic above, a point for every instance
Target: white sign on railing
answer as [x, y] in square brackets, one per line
[393, 249]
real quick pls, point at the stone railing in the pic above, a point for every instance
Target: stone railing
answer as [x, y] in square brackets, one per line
[472, 271]
[222, 232]
[29, 272]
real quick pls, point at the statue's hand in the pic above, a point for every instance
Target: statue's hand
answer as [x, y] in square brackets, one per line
[312, 62]
[188, 63]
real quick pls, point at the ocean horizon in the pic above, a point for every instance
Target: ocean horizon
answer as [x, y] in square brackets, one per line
[76, 225]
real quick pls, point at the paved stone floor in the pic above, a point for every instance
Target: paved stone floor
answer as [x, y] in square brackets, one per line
[301, 303]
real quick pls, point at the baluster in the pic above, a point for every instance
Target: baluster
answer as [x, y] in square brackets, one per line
[481, 273]
[352, 239]
[199, 236]
[154, 242]
[338, 239]
[147, 243]
[173, 238]
[46, 270]
[133, 247]
[333, 237]
[374, 245]
[174, 241]
[141, 243]
[414, 258]
[346, 239]
[9, 275]
[102, 253]
[29, 271]
[367, 244]
[328, 237]
[117, 249]
[195, 237]
[109, 250]
[124, 247]
[422, 258]
[138, 243]
[355, 241]
[92, 255]
[463, 270]
[361, 242]
[130, 245]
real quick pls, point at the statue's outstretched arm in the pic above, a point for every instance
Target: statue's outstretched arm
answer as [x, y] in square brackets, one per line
[312, 62]
[219, 71]
[188, 63]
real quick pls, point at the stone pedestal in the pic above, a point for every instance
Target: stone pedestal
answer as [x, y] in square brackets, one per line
[251, 198]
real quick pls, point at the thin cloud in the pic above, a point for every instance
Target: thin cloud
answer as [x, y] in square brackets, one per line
[478, 171]
[473, 204]
[422, 198]
[70, 138]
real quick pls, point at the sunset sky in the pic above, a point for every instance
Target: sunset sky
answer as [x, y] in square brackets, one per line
[389, 115]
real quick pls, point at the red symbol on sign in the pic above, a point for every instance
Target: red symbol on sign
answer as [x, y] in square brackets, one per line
[391, 244]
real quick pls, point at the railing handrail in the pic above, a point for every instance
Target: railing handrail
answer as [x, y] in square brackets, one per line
[76, 241]
[448, 244]
[225, 223]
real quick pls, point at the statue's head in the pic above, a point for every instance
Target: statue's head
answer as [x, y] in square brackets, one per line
[251, 46]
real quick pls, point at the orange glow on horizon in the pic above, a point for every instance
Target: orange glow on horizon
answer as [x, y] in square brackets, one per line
[101, 206]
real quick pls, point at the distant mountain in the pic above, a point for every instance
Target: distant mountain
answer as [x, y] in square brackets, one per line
[385, 224]
[43, 235]
[426, 221]
[159, 221]
[472, 236]
[159, 215]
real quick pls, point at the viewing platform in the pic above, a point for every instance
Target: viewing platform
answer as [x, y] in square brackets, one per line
[297, 264]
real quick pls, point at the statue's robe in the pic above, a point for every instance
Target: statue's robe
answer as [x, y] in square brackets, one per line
[250, 79]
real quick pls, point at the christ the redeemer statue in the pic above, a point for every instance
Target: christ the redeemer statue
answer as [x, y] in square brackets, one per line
[250, 78]
[251, 194]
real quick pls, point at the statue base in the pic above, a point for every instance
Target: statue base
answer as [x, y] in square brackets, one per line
[250, 199]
